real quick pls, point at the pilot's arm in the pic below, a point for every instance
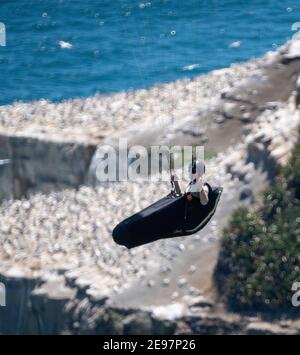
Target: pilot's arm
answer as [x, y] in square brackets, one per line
[204, 195]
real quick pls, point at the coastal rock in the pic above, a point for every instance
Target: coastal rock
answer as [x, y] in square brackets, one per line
[97, 296]
[246, 193]
[6, 178]
[6, 173]
[206, 324]
[169, 312]
[246, 117]
[49, 301]
[293, 51]
[198, 302]
[138, 323]
[17, 313]
[67, 165]
[263, 328]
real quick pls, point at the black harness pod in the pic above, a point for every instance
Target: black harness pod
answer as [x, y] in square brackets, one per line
[171, 216]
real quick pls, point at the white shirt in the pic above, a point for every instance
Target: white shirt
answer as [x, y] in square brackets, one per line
[198, 186]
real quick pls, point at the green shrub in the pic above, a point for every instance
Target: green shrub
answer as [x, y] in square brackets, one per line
[292, 172]
[260, 250]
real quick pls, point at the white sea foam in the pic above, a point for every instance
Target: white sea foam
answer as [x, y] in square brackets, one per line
[235, 44]
[65, 45]
[191, 67]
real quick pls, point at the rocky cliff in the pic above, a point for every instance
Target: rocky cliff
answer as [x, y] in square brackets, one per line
[40, 306]
[33, 165]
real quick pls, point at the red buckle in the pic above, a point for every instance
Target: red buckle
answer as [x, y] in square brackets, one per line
[189, 197]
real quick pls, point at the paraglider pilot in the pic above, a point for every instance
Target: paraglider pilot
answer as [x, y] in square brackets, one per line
[197, 186]
[175, 215]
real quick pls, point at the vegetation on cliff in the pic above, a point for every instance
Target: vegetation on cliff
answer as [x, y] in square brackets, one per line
[260, 251]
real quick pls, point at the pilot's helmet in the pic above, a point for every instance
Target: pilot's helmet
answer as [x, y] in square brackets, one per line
[196, 169]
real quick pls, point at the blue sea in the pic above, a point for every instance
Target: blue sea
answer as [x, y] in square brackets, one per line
[59, 49]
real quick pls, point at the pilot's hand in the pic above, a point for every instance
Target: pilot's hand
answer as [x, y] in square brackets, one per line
[200, 184]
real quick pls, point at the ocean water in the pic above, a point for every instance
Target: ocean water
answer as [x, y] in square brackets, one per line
[59, 49]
